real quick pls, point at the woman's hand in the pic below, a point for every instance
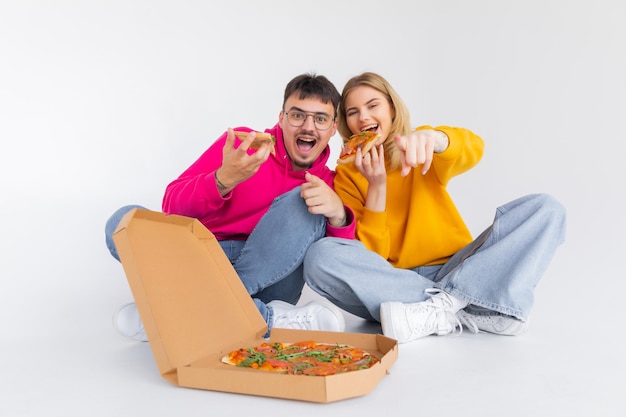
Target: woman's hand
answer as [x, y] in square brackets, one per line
[372, 167]
[418, 148]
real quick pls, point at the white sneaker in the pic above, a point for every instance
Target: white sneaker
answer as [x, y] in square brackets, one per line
[497, 324]
[407, 322]
[127, 322]
[316, 315]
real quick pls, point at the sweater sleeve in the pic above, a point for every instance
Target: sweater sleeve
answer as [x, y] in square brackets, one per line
[463, 153]
[194, 193]
[347, 231]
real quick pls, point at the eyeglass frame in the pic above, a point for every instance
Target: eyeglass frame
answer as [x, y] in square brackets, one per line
[306, 115]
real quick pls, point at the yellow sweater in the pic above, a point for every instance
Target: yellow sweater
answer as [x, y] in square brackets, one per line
[421, 225]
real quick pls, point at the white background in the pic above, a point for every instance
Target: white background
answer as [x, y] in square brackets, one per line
[102, 103]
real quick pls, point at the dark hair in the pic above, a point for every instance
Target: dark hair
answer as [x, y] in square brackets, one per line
[311, 85]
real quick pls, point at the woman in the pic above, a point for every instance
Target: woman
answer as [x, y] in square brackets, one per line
[414, 265]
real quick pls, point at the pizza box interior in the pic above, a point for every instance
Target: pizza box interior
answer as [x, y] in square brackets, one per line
[195, 310]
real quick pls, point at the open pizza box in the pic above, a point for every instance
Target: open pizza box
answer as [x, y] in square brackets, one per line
[195, 310]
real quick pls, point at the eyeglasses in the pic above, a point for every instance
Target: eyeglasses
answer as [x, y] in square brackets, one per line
[296, 118]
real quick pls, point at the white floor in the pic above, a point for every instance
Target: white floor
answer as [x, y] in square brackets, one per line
[103, 103]
[61, 356]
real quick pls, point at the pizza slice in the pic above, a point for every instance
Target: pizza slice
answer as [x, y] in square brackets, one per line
[259, 139]
[364, 140]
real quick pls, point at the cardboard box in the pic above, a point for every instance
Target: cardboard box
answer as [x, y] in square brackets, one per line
[195, 310]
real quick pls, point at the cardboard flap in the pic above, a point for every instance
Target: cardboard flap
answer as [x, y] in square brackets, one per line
[190, 298]
[211, 373]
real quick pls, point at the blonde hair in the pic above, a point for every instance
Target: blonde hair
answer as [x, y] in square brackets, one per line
[401, 123]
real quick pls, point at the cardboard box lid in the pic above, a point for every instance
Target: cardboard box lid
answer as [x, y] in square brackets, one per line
[195, 309]
[187, 309]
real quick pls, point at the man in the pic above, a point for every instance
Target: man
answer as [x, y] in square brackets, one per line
[266, 206]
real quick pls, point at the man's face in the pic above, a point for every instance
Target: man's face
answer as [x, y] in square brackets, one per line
[305, 143]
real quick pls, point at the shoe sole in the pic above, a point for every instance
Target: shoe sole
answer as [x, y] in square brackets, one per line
[513, 328]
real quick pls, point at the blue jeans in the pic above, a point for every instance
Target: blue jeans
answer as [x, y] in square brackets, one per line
[270, 262]
[496, 273]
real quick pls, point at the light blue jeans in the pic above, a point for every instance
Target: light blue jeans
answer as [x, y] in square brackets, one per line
[496, 273]
[270, 262]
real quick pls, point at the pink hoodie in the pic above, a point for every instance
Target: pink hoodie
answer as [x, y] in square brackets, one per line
[194, 193]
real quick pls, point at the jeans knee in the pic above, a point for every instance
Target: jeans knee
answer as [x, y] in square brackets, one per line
[116, 217]
[318, 257]
[551, 206]
[552, 214]
[111, 226]
[312, 256]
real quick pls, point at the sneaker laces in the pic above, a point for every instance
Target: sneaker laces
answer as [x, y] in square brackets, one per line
[316, 315]
[452, 321]
[440, 317]
[298, 317]
[443, 299]
[466, 320]
[446, 304]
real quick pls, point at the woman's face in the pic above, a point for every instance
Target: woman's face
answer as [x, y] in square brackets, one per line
[368, 109]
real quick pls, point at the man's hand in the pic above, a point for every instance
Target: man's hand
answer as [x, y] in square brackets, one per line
[237, 165]
[418, 148]
[321, 199]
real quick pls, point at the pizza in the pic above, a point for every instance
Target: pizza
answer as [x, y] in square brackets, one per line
[259, 139]
[364, 140]
[302, 358]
